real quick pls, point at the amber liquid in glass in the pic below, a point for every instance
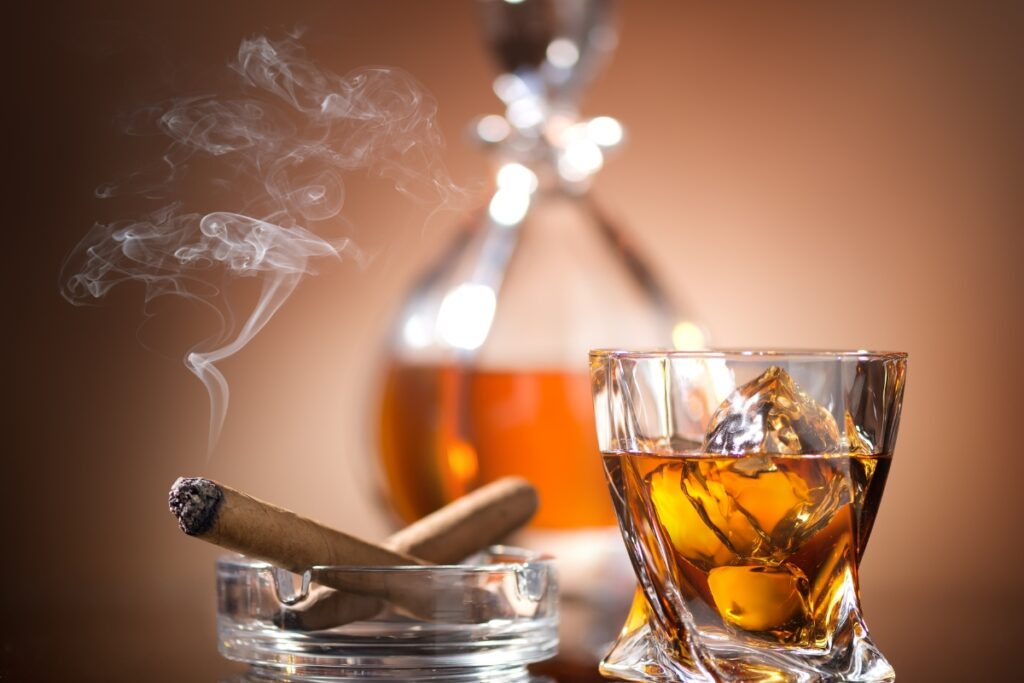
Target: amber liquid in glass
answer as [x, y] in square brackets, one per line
[446, 429]
[765, 546]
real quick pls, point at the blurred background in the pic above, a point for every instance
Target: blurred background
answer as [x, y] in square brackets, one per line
[842, 176]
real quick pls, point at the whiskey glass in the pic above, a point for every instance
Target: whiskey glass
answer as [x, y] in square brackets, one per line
[746, 485]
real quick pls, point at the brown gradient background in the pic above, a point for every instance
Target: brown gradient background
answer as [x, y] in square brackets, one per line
[812, 175]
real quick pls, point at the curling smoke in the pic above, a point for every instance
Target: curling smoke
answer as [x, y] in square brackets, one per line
[292, 132]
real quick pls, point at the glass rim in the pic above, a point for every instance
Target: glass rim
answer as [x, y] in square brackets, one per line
[740, 354]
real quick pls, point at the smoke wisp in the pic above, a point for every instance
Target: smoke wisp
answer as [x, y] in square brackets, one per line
[274, 154]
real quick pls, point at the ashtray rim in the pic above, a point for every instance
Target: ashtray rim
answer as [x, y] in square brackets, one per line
[530, 558]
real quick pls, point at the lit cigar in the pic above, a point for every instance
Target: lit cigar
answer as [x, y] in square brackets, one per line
[223, 516]
[218, 514]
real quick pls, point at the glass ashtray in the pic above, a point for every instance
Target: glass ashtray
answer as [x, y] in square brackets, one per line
[483, 620]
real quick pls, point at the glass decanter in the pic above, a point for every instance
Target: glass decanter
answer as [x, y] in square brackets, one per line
[488, 370]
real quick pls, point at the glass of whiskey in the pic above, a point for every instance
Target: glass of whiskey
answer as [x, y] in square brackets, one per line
[746, 485]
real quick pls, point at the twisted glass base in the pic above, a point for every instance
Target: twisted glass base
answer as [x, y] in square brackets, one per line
[645, 652]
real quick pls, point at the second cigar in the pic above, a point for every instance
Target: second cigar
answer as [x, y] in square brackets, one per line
[467, 525]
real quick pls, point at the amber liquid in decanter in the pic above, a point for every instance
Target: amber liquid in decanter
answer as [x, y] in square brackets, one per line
[445, 429]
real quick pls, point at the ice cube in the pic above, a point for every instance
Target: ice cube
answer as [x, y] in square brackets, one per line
[769, 497]
[761, 598]
[719, 511]
[784, 499]
[692, 535]
[770, 414]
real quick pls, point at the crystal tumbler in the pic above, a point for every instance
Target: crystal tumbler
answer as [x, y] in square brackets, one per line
[746, 485]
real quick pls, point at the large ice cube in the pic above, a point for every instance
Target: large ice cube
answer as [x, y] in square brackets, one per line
[770, 414]
[719, 511]
[763, 505]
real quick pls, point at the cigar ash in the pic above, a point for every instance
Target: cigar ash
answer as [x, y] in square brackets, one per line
[195, 501]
